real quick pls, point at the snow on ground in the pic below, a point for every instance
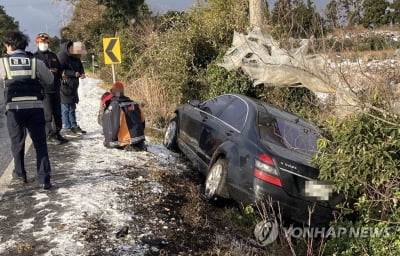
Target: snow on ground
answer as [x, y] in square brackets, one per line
[86, 177]
[94, 161]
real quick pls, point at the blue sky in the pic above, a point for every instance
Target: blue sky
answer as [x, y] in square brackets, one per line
[36, 16]
[164, 5]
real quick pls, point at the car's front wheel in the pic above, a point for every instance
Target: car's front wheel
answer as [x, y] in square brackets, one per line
[171, 135]
[215, 184]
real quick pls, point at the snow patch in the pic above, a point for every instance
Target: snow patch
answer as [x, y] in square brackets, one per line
[26, 224]
[87, 180]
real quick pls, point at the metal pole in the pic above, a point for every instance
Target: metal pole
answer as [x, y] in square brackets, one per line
[113, 72]
[93, 64]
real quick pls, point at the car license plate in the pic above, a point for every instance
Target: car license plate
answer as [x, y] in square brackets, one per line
[321, 190]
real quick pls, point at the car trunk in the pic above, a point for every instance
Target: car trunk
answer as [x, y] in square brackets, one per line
[294, 169]
[291, 141]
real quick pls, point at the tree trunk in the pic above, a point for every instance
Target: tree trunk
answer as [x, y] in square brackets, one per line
[256, 13]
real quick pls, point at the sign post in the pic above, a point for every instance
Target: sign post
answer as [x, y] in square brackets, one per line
[112, 53]
[93, 64]
[113, 73]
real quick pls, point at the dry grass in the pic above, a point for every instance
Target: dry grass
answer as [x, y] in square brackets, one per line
[361, 29]
[365, 55]
[153, 98]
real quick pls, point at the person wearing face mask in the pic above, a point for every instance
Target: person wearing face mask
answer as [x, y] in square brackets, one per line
[51, 101]
[71, 63]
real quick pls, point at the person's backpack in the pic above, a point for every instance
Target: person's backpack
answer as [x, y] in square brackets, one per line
[122, 123]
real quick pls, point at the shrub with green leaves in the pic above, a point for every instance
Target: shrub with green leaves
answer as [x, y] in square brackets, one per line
[383, 241]
[362, 152]
[299, 101]
[216, 81]
[362, 157]
[180, 57]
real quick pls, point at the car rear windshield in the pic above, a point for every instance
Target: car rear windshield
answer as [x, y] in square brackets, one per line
[289, 134]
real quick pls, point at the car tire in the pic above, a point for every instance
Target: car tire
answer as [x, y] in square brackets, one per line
[171, 135]
[215, 183]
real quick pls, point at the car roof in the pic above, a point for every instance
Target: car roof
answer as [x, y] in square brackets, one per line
[256, 104]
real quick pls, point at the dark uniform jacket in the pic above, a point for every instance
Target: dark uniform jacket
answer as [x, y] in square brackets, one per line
[123, 123]
[70, 64]
[51, 61]
[25, 79]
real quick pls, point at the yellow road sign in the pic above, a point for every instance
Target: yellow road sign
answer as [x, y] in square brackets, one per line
[111, 50]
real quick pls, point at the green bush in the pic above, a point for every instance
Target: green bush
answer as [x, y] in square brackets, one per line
[299, 101]
[386, 245]
[363, 150]
[179, 56]
[362, 158]
[216, 81]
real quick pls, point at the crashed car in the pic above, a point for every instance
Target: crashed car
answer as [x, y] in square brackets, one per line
[250, 151]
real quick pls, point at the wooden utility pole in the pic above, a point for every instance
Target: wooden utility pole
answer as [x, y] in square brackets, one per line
[257, 8]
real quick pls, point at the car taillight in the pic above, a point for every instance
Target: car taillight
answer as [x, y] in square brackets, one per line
[265, 170]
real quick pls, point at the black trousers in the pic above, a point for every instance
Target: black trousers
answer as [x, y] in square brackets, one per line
[19, 122]
[52, 113]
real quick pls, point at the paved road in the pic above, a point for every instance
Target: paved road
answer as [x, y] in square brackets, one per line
[86, 207]
[88, 183]
[5, 154]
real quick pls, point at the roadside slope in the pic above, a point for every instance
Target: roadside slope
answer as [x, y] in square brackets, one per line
[87, 178]
[112, 202]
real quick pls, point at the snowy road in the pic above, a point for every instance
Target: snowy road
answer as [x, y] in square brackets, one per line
[5, 155]
[88, 180]
[114, 203]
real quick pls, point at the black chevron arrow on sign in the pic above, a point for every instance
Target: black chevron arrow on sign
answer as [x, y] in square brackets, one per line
[109, 50]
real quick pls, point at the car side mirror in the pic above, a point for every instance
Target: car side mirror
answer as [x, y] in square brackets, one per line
[194, 103]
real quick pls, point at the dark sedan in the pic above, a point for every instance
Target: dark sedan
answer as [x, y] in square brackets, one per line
[250, 151]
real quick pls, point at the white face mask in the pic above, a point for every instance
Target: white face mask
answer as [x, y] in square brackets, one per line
[43, 47]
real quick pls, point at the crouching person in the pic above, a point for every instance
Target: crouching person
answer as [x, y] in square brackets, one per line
[122, 120]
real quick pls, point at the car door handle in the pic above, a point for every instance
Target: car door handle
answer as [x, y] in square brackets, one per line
[230, 133]
[205, 119]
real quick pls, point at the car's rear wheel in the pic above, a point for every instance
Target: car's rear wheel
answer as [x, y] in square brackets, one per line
[171, 135]
[215, 184]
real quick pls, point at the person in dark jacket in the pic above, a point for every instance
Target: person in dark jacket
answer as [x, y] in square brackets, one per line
[122, 120]
[69, 57]
[51, 101]
[25, 77]
[104, 103]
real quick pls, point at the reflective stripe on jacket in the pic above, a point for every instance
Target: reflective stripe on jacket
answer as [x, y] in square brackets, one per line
[21, 83]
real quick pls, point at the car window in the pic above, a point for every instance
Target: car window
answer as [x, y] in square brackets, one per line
[216, 105]
[288, 134]
[235, 114]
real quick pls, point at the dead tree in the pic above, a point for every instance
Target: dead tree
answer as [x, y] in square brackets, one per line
[256, 13]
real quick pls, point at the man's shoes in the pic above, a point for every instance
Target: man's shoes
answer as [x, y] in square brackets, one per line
[52, 140]
[47, 186]
[136, 148]
[70, 134]
[142, 146]
[22, 178]
[61, 139]
[78, 130]
[130, 148]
